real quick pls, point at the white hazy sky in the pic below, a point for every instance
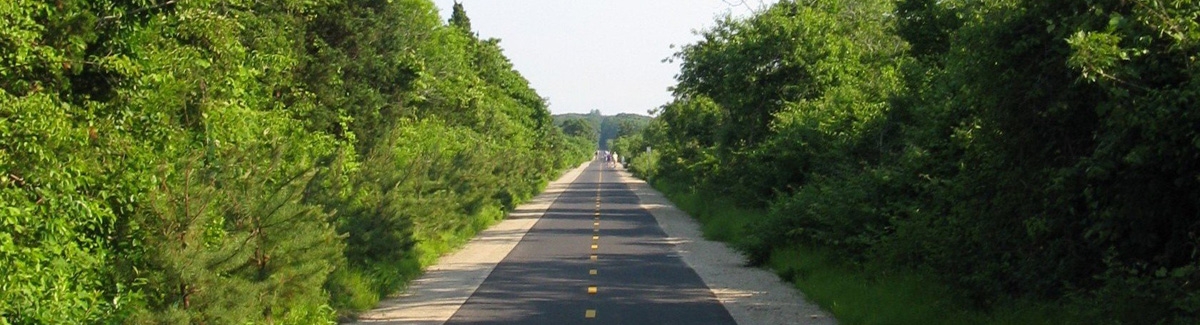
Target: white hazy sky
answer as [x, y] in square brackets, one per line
[597, 54]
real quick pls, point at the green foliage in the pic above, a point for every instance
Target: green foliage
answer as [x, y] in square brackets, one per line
[577, 127]
[1015, 150]
[248, 162]
[608, 128]
[638, 154]
[54, 212]
[854, 293]
[595, 118]
[458, 18]
[616, 126]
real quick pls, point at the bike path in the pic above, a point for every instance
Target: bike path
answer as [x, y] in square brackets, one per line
[595, 256]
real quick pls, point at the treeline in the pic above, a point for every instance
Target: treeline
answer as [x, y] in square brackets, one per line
[601, 129]
[232, 162]
[1039, 151]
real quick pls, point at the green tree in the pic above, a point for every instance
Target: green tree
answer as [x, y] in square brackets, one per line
[1014, 149]
[579, 128]
[616, 126]
[458, 18]
[264, 162]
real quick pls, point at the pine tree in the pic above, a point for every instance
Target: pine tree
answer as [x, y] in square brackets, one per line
[459, 18]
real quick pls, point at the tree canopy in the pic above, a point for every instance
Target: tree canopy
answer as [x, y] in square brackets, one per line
[249, 161]
[607, 128]
[1013, 149]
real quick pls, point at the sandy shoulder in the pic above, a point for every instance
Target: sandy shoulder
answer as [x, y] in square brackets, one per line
[752, 295]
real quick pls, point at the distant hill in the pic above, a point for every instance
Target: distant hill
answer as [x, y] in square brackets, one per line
[611, 127]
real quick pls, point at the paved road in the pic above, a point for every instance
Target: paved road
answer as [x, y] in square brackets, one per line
[594, 257]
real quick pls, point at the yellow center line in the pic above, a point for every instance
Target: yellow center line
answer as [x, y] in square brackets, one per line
[592, 289]
[595, 247]
[592, 272]
[594, 257]
[590, 313]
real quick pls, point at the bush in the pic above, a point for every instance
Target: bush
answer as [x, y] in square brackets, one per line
[1017, 151]
[195, 162]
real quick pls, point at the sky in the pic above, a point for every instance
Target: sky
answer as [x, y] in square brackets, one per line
[597, 54]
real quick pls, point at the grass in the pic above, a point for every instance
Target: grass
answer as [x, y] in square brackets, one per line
[868, 295]
[857, 297]
[720, 220]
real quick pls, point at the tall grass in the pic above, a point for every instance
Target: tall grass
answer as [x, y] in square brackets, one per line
[857, 294]
[720, 219]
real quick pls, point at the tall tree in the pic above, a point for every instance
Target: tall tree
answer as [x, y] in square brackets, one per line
[578, 127]
[458, 18]
[266, 162]
[1020, 149]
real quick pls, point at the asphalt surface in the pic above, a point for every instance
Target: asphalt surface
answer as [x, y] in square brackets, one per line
[594, 257]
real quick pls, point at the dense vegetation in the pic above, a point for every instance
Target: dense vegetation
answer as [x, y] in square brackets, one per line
[1012, 150]
[601, 128]
[231, 162]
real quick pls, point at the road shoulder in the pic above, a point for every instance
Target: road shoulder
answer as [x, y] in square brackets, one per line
[751, 295]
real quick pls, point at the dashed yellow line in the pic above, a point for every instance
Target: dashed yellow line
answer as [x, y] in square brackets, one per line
[593, 289]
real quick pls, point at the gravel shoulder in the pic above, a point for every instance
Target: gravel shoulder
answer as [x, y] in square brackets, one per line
[751, 295]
